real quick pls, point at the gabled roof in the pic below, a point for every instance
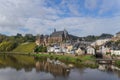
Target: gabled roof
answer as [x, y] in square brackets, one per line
[118, 33]
[56, 34]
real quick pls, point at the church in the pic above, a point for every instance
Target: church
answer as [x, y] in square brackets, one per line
[54, 37]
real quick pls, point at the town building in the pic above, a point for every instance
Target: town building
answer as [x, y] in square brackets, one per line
[42, 40]
[80, 51]
[55, 37]
[118, 34]
[90, 50]
[115, 52]
[58, 36]
[100, 42]
[104, 49]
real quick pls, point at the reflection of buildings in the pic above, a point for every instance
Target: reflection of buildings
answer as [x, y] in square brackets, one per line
[110, 69]
[55, 69]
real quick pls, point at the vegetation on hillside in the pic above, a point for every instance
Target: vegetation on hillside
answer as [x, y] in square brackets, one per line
[27, 47]
[7, 46]
[40, 49]
[93, 37]
[9, 43]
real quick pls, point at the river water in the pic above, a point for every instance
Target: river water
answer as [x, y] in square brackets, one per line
[28, 68]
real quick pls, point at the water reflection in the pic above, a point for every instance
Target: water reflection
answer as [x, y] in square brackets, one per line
[28, 63]
[54, 69]
[109, 69]
[18, 63]
[20, 67]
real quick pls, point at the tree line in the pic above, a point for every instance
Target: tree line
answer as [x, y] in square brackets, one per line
[8, 43]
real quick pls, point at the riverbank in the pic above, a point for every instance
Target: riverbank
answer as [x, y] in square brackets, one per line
[117, 63]
[79, 61]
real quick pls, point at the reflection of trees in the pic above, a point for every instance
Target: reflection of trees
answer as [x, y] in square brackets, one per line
[55, 69]
[109, 69]
[17, 62]
[106, 67]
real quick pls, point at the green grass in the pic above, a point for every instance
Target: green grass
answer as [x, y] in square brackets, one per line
[117, 63]
[80, 61]
[25, 47]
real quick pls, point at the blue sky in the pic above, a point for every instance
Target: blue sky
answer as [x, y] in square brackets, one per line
[79, 17]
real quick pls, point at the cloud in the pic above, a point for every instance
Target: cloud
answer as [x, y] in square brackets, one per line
[91, 4]
[76, 26]
[109, 5]
[41, 16]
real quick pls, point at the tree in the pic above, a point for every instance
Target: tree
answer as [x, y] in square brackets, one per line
[7, 46]
[29, 37]
[18, 35]
[40, 49]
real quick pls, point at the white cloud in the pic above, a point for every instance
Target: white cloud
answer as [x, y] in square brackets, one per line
[91, 4]
[109, 5]
[37, 17]
[83, 26]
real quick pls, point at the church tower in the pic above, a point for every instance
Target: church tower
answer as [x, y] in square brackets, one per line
[54, 30]
[65, 33]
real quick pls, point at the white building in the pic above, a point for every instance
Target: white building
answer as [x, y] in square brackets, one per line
[90, 50]
[115, 52]
[104, 49]
[50, 49]
[118, 34]
[80, 51]
[56, 49]
[100, 42]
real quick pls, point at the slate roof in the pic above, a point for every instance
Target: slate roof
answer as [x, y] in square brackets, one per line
[58, 33]
[118, 33]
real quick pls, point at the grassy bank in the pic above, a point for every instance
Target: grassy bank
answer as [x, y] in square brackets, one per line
[17, 62]
[27, 47]
[79, 61]
[117, 63]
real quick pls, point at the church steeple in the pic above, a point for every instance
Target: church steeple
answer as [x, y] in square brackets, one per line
[54, 30]
[65, 33]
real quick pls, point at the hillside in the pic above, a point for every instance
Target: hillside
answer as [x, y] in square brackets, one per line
[25, 47]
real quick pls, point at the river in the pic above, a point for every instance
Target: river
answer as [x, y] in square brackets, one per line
[18, 67]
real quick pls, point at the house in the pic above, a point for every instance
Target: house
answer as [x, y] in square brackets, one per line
[50, 49]
[118, 34]
[57, 49]
[104, 49]
[54, 48]
[69, 48]
[80, 51]
[41, 39]
[115, 52]
[100, 42]
[90, 50]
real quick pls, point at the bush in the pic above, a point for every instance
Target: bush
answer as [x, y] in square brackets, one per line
[7, 46]
[107, 53]
[117, 63]
[40, 49]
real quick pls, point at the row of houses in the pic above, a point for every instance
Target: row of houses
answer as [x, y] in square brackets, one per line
[63, 42]
[104, 50]
[70, 49]
[107, 46]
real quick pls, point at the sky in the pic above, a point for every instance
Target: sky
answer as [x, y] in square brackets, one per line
[78, 17]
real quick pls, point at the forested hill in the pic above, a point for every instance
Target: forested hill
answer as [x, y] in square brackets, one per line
[8, 43]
